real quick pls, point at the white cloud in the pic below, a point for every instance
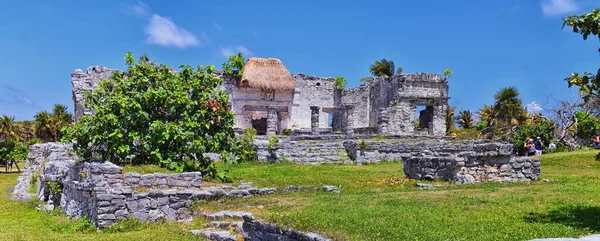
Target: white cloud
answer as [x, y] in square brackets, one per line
[559, 7]
[228, 51]
[534, 107]
[218, 27]
[140, 9]
[164, 32]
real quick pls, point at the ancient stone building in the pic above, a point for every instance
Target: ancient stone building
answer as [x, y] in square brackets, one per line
[270, 99]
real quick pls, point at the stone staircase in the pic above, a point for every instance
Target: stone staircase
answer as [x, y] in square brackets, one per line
[241, 226]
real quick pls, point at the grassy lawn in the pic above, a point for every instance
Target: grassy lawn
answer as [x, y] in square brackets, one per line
[376, 203]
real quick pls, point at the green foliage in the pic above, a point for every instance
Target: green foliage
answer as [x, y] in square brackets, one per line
[363, 144]
[465, 119]
[450, 119]
[153, 115]
[587, 124]
[55, 188]
[145, 169]
[467, 134]
[447, 73]
[507, 105]
[13, 150]
[234, 65]
[127, 224]
[273, 142]
[287, 131]
[340, 82]
[244, 146]
[543, 130]
[377, 137]
[382, 68]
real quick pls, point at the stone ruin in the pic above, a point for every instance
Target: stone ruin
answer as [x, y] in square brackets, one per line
[102, 193]
[327, 122]
[372, 123]
[274, 102]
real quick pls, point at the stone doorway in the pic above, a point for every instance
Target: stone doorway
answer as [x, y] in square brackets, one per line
[425, 120]
[260, 125]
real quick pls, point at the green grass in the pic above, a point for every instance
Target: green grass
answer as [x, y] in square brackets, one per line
[376, 203]
[145, 169]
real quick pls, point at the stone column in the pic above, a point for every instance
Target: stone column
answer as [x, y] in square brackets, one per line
[349, 127]
[271, 120]
[314, 119]
[439, 120]
[383, 121]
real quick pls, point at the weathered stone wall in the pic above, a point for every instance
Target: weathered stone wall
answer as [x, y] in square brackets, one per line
[99, 191]
[85, 82]
[360, 98]
[39, 154]
[257, 230]
[424, 157]
[311, 91]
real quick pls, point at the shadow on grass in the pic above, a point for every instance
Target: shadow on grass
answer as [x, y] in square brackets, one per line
[575, 216]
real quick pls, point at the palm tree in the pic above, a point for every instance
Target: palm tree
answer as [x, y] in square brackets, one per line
[27, 132]
[60, 119]
[7, 127]
[450, 118]
[487, 114]
[508, 105]
[44, 126]
[383, 68]
[465, 119]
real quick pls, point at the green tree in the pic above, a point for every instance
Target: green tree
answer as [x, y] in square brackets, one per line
[383, 68]
[544, 130]
[340, 82]
[150, 114]
[44, 128]
[234, 65]
[7, 127]
[585, 25]
[450, 119]
[447, 73]
[60, 118]
[465, 119]
[507, 105]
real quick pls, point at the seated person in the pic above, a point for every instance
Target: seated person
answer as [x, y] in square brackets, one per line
[596, 141]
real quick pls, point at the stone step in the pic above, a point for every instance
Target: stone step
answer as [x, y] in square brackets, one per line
[227, 214]
[238, 226]
[215, 235]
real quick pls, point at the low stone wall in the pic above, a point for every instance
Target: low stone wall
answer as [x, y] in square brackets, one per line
[256, 230]
[466, 170]
[99, 191]
[159, 180]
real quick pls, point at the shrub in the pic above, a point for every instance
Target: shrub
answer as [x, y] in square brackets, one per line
[153, 115]
[340, 82]
[287, 132]
[543, 130]
[467, 134]
[273, 142]
[363, 144]
[244, 146]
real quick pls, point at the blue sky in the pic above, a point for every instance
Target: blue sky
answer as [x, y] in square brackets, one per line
[489, 44]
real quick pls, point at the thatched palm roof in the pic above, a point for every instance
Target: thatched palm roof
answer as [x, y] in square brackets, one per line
[270, 74]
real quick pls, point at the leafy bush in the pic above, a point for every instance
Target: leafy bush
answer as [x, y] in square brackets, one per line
[340, 82]
[467, 134]
[543, 130]
[153, 115]
[363, 144]
[244, 146]
[233, 66]
[587, 125]
[273, 142]
[287, 132]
